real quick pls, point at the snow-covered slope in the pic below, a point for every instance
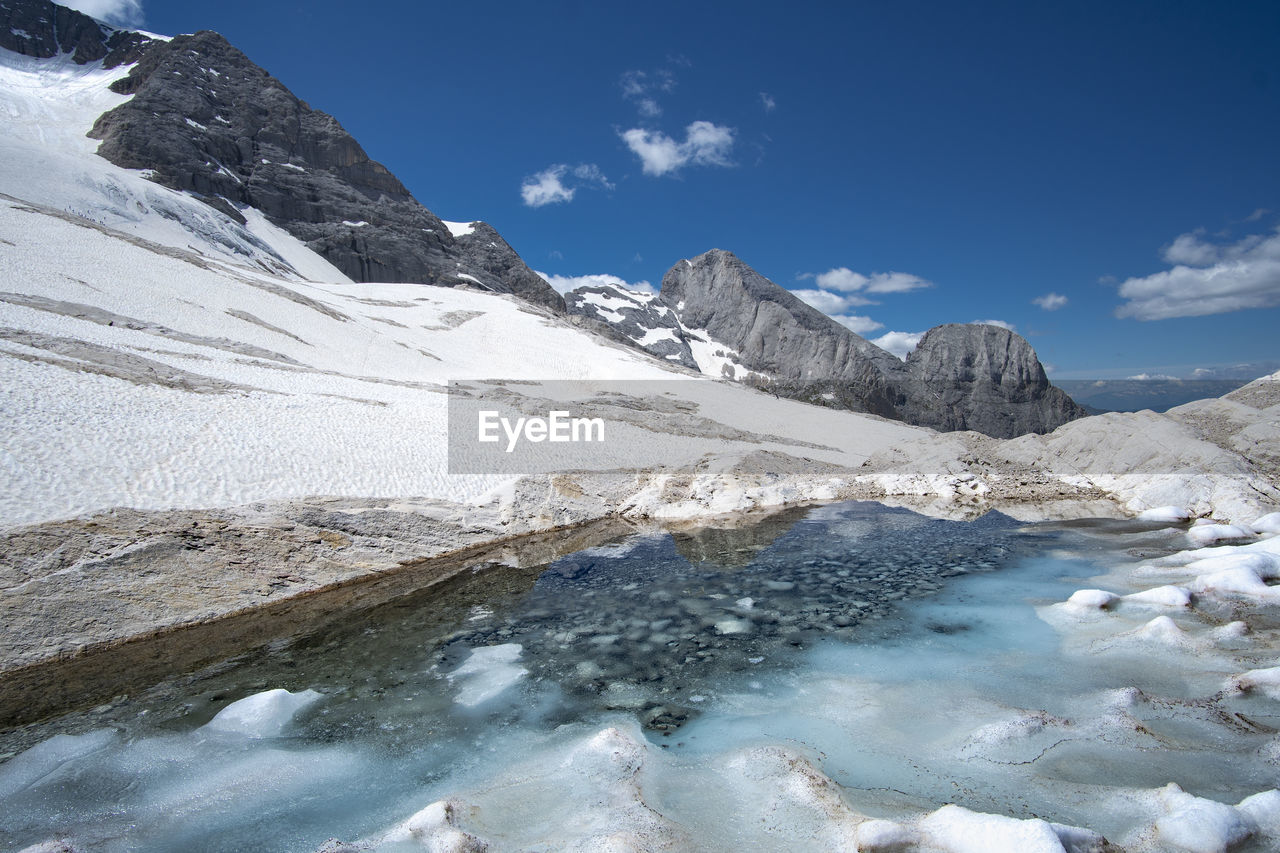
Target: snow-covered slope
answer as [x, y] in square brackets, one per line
[133, 374]
[46, 108]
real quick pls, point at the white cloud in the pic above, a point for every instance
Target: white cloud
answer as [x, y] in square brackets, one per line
[546, 187]
[1207, 278]
[1001, 323]
[126, 13]
[828, 302]
[1050, 301]
[845, 279]
[1190, 249]
[564, 283]
[858, 325]
[559, 182]
[898, 343]
[1147, 377]
[1257, 214]
[705, 144]
[767, 101]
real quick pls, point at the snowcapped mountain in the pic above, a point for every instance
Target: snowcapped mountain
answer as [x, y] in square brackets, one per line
[256, 171]
[164, 347]
[717, 314]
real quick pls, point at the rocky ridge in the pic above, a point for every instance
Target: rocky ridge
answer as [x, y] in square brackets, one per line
[718, 312]
[206, 120]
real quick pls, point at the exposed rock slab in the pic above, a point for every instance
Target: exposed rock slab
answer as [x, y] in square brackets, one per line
[205, 119]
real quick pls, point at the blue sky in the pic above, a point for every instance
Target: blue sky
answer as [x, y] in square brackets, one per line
[907, 164]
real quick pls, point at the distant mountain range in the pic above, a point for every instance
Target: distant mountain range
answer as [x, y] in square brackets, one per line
[247, 161]
[1134, 395]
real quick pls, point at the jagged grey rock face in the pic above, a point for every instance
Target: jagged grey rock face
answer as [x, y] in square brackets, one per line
[205, 119]
[41, 29]
[642, 318]
[977, 377]
[772, 332]
[983, 378]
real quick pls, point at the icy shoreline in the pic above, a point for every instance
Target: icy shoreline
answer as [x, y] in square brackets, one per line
[1192, 626]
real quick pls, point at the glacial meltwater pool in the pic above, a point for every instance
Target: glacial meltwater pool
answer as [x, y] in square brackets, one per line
[766, 687]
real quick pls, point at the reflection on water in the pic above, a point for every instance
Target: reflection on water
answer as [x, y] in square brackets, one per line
[646, 627]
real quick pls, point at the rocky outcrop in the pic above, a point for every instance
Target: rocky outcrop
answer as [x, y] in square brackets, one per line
[41, 29]
[797, 349]
[641, 318]
[203, 118]
[983, 378]
[729, 320]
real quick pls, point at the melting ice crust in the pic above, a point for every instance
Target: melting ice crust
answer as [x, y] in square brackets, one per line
[843, 755]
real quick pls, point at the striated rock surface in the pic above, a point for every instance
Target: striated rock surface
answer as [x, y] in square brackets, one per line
[983, 378]
[203, 118]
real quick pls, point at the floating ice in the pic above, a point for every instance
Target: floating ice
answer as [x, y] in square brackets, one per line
[489, 671]
[1267, 680]
[436, 828]
[1197, 825]
[1092, 598]
[1170, 514]
[958, 830]
[1211, 534]
[1269, 523]
[1162, 596]
[263, 714]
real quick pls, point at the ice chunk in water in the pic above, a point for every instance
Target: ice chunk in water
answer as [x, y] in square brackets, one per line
[1162, 596]
[436, 828]
[1211, 534]
[958, 830]
[486, 673]
[262, 714]
[1087, 598]
[1198, 825]
[1269, 523]
[1170, 514]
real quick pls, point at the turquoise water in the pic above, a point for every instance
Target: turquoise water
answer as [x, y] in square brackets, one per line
[873, 641]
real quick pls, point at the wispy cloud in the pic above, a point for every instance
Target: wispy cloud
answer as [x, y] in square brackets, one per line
[1207, 278]
[846, 280]
[830, 303]
[560, 182]
[899, 343]
[857, 324]
[1050, 301]
[643, 88]
[767, 101]
[705, 144]
[840, 289]
[125, 13]
[564, 283]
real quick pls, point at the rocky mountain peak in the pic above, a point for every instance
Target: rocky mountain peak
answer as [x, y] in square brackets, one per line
[205, 120]
[736, 323]
[984, 378]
